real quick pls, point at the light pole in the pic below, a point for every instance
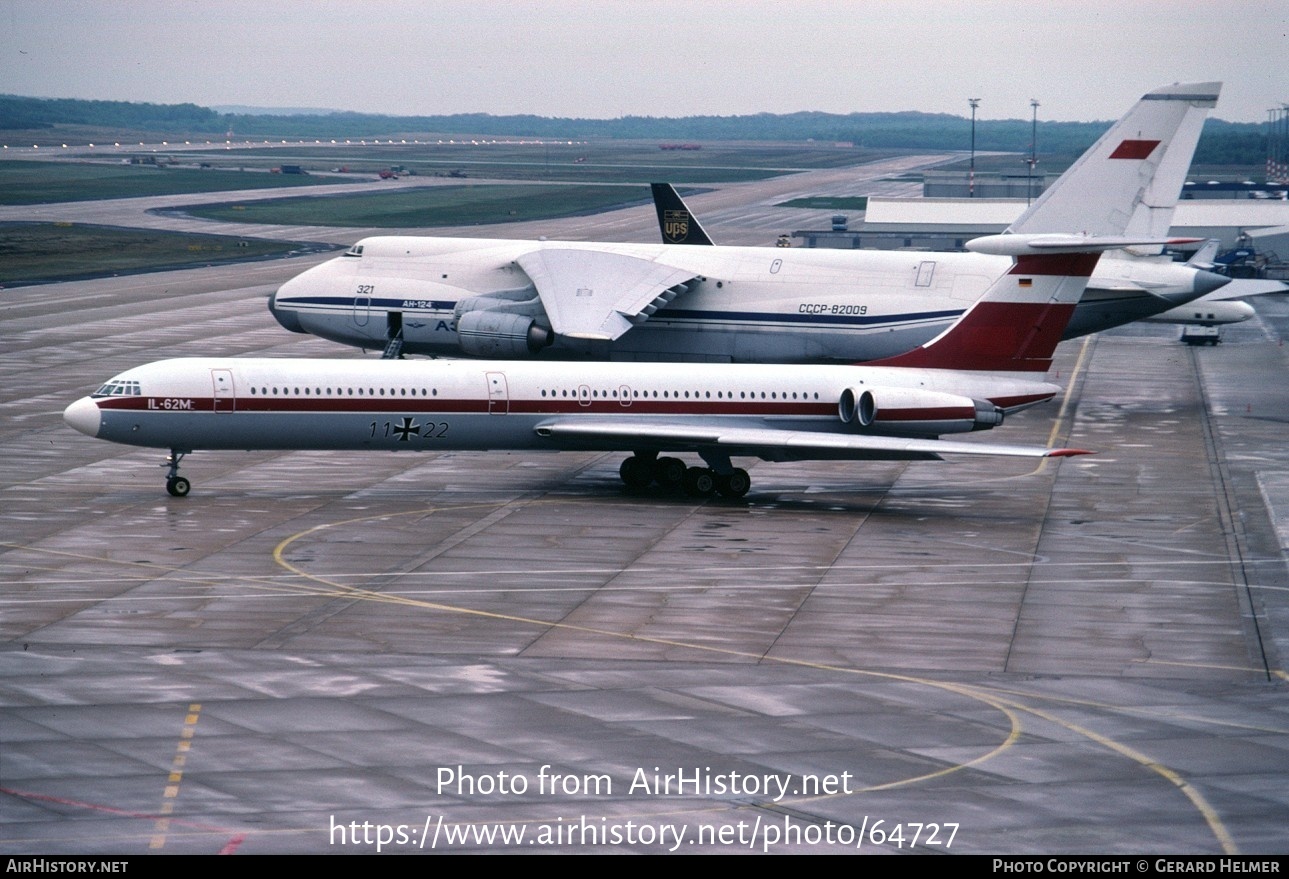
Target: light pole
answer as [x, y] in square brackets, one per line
[971, 179]
[1033, 151]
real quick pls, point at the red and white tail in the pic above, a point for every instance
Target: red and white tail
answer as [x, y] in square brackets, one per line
[1128, 182]
[1111, 198]
[1017, 324]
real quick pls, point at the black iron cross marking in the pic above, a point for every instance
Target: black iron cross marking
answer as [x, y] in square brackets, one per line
[407, 429]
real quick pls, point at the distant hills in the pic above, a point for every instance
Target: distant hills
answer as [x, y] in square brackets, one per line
[1223, 143]
[243, 110]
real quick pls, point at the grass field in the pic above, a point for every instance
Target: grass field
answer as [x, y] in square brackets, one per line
[23, 182]
[826, 203]
[573, 161]
[501, 182]
[581, 162]
[34, 252]
[468, 205]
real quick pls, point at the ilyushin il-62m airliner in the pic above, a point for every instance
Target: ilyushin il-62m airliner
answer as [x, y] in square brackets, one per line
[990, 363]
[546, 300]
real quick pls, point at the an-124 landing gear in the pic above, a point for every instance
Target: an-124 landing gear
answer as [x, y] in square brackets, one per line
[644, 469]
[177, 485]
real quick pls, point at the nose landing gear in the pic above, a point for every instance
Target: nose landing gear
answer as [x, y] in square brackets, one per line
[176, 485]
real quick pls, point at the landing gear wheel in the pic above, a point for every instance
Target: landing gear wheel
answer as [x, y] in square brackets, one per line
[176, 484]
[636, 472]
[700, 482]
[735, 484]
[669, 472]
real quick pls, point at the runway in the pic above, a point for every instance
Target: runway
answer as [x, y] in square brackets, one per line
[331, 652]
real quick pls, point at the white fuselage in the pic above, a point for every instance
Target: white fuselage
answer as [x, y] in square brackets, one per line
[236, 403]
[747, 304]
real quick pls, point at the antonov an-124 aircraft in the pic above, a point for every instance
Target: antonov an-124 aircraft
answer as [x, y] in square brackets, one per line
[516, 299]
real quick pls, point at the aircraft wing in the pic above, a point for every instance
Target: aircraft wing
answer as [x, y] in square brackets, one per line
[770, 444]
[592, 294]
[1267, 231]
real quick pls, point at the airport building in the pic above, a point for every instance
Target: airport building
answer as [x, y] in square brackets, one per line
[955, 184]
[939, 223]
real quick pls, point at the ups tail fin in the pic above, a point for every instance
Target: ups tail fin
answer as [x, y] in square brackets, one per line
[1129, 181]
[675, 222]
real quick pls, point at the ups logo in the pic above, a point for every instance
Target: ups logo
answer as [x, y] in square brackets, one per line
[675, 225]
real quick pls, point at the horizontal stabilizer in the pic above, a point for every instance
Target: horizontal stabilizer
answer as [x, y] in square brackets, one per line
[1030, 245]
[1242, 287]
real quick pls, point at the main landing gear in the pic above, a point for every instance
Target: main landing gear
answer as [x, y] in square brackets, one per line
[644, 469]
[177, 485]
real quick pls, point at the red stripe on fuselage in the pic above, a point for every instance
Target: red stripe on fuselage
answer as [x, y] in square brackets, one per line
[444, 407]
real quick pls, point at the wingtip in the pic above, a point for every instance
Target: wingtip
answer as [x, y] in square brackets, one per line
[1068, 453]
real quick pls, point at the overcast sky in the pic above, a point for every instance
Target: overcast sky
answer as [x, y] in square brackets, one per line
[1081, 59]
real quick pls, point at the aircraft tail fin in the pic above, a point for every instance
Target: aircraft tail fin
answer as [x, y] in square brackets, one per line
[1128, 182]
[1098, 204]
[1206, 257]
[677, 224]
[1016, 325]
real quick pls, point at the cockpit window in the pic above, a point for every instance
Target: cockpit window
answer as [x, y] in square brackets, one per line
[356, 250]
[118, 388]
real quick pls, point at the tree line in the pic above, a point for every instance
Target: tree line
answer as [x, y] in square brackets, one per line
[1222, 143]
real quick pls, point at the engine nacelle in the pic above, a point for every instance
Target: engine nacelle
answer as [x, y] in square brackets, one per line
[501, 334]
[915, 412]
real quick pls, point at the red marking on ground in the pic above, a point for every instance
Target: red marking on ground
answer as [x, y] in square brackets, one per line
[235, 840]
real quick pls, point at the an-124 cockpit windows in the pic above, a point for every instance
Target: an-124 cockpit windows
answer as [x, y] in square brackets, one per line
[118, 388]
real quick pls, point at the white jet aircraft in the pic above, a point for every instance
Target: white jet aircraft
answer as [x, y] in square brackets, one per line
[617, 301]
[988, 364]
[1221, 306]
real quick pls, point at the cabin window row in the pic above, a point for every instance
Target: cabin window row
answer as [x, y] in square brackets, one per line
[342, 392]
[680, 395]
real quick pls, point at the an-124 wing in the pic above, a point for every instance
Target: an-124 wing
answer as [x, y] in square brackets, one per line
[774, 445]
[593, 294]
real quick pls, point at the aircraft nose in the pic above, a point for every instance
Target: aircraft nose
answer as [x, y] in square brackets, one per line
[1207, 282]
[83, 415]
[289, 318]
